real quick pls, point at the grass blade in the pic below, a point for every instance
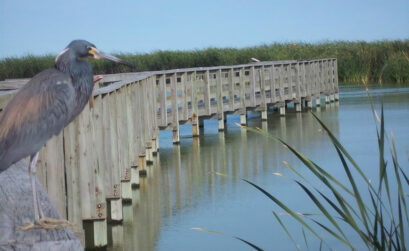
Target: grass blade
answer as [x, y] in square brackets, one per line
[357, 195]
[249, 243]
[224, 234]
[285, 229]
[334, 234]
[284, 207]
[322, 208]
[342, 149]
[314, 168]
[305, 238]
[401, 230]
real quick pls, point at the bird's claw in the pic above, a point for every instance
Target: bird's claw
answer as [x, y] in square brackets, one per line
[27, 226]
[47, 223]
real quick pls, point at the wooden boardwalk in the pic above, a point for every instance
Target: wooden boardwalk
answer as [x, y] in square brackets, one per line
[89, 170]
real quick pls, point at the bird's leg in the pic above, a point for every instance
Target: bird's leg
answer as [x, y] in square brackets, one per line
[31, 172]
[39, 219]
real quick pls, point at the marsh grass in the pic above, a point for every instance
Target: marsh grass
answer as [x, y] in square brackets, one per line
[381, 61]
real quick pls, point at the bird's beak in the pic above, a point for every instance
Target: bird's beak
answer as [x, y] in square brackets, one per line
[100, 55]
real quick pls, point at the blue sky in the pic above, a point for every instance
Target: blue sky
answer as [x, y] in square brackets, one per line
[132, 26]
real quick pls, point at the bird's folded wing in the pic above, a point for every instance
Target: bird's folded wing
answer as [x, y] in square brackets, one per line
[40, 109]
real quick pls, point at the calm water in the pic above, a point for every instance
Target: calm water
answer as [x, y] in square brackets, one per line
[182, 191]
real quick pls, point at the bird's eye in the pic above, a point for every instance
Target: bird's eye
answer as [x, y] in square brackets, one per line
[89, 48]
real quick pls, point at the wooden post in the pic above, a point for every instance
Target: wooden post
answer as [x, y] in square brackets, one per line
[175, 110]
[136, 130]
[142, 165]
[92, 195]
[318, 100]
[183, 82]
[195, 115]
[149, 114]
[72, 177]
[336, 79]
[123, 144]
[207, 93]
[113, 171]
[219, 93]
[252, 87]
[273, 85]
[243, 110]
[139, 103]
[309, 103]
[163, 100]
[282, 110]
[231, 90]
[263, 104]
[298, 107]
[52, 164]
[281, 81]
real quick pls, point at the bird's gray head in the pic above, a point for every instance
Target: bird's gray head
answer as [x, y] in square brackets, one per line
[80, 49]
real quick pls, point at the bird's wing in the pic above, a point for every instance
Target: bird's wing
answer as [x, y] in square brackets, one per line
[38, 111]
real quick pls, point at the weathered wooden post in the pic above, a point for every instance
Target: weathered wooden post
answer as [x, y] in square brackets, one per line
[297, 95]
[123, 139]
[175, 110]
[141, 129]
[135, 117]
[149, 113]
[231, 89]
[243, 110]
[336, 79]
[51, 165]
[263, 104]
[163, 100]
[252, 80]
[219, 94]
[109, 159]
[93, 207]
[195, 109]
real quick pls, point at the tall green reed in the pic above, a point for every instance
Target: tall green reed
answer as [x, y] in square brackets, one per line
[380, 61]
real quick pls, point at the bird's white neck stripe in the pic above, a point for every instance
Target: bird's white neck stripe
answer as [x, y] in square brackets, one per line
[61, 53]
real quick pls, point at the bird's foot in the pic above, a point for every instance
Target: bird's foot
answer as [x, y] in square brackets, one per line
[50, 223]
[28, 226]
[47, 223]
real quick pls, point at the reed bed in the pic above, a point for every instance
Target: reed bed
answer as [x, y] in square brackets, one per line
[375, 62]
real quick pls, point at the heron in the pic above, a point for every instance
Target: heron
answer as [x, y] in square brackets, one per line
[43, 107]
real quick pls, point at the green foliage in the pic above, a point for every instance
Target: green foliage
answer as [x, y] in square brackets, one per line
[357, 61]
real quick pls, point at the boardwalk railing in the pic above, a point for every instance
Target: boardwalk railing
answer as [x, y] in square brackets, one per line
[89, 170]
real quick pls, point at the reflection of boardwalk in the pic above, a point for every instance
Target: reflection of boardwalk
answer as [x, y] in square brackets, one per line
[89, 170]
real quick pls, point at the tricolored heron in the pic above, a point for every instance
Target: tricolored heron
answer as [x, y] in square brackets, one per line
[44, 106]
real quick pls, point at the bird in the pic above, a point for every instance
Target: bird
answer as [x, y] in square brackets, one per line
[43, 107]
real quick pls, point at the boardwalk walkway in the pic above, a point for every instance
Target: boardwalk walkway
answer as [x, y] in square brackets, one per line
[89, 170]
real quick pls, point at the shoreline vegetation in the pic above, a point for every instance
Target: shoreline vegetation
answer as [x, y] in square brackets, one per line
[373, 62]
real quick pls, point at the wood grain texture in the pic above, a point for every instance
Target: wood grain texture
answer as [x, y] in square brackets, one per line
[16, 208]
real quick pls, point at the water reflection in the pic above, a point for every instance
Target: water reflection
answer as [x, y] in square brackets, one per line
[204, 172]
[197, 183]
